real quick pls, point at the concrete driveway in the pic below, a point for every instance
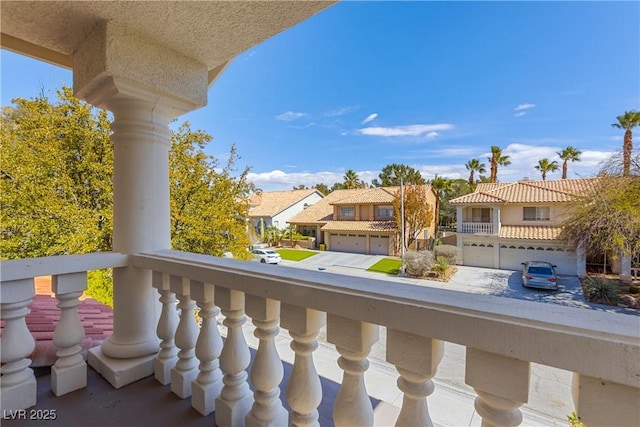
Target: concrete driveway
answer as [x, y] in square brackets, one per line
[341, 260]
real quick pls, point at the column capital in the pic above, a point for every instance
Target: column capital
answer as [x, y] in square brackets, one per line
[114, 63]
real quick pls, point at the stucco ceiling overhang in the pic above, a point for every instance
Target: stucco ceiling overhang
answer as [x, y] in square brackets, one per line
[211, 32]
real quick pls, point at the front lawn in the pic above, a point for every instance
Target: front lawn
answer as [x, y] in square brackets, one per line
[295, 254]
[387, 266]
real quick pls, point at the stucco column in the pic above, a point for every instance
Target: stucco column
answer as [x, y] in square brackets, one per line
[145, 86]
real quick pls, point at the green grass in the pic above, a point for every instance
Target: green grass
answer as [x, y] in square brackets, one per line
[295, 254]
[387, 266]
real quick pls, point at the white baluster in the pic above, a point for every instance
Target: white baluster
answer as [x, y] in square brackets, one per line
[167, 324]
[589, 394]
[208, 384]
[304, 391]
[70, 370]
[186, 368]
[416, 358]
[502, 384]
[267, 370]
[235, 399]
[353, 340]
[18, 385]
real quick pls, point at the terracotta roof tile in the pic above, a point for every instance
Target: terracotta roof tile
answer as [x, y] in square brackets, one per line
[527, 232]
[552, 191]
[322, 211]
[271, 203]
[347, 226]
[370, 196]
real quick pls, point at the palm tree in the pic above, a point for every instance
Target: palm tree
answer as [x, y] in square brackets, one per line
[473, 166]
[351, 180]
[569, 154]
[545, 166]
[497, 159]
[442, 186]
[627, 121]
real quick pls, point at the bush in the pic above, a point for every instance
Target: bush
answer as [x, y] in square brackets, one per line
[634, 289]
[419, 263]
[447, 251]
[100, 286]
[441, 266]
[600, 289]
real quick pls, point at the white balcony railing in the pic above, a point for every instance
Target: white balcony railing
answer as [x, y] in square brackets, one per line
[502, 336]
[477, 227]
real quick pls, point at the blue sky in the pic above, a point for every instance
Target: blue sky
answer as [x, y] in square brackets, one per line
[428, 84]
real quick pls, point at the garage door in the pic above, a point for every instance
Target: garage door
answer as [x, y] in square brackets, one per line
[379, 245]
[511, 257]
[353, 243]
[478, 255]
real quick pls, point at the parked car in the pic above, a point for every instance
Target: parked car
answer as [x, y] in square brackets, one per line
[539, 274]
[267, 256]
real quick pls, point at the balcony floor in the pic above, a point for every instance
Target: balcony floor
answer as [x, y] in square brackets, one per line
[145, 402]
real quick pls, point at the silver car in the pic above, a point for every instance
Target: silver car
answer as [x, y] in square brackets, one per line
[539, 274]
[267, 256]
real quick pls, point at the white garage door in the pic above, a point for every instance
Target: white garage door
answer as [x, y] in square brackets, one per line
[353, 243]
[379, 245]
[511, 257]
[478, 255]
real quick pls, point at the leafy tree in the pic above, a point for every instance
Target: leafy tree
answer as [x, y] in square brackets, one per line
[569, 154]
[351, 180]
[455, 188]
[209, 206]
[544, 166]
[391, 174]
[442, 187]
[300, 187]
[497, 159]
[323, 188]
[473, 166]
[417, 211]
[607, 219]
[627, 121]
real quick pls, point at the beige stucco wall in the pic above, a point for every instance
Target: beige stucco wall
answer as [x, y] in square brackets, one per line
[512, 214]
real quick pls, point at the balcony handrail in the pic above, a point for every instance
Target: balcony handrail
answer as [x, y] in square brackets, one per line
[482, 322]
[27, 268]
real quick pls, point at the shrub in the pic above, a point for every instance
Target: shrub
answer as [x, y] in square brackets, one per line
[449, 252]
[419, 263]
[597, 288]
[100, 286]
[574, 420]
[441, 266]
[634, 289]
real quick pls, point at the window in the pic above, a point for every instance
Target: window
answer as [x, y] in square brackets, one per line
[537, 213]
[347, 212]
[385, 211]
[480, 215]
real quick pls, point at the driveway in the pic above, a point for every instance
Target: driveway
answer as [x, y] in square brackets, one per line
[330, 260]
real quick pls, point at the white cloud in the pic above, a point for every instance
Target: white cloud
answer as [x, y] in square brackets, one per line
[410, 130]
[369, 118]
[432, 135]
[341, 111]
[519, 114]
[524, 107]
[288, 116]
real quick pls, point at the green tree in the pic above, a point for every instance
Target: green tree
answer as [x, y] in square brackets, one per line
[351, 180]
[606, 219]
[209, 206]
[544, 166]
[442, 187]
[473, 166]
[456, 188]
[323, 188]
[569, 154]
[391, 174]
[497, 159]
[627, 121]
[418, 214]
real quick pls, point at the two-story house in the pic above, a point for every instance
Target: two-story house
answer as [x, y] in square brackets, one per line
[275, 208]
[501, 225]
[357, 220]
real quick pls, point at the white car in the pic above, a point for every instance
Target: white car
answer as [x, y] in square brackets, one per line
[267, 256]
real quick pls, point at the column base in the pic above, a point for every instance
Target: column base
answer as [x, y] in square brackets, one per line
[162, 369]
[181, 382]
[120, 372]
[66, 380]
[19, 396]
[231, 414]
[281, 419]
[203, 398]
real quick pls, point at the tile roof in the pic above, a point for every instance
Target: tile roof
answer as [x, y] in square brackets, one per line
[370, 196]
[271, 203]
[322, 211]
[562, 190]
[375, 226]
[528, 232]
